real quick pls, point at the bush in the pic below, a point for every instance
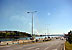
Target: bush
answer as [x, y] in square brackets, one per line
[70, 37]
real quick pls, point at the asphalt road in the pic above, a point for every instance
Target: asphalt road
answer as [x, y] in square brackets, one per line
[50, 45]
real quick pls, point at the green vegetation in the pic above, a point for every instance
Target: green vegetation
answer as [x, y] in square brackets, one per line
[69, 37]
[11, 34]
[68, 43]
[68, 46]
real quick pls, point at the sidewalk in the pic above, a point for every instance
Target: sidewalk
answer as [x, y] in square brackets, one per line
[14, 42]
[22, 42]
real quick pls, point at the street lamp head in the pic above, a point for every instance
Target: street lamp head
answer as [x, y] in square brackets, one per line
[35, 11]
[28, 12]
[32, 12]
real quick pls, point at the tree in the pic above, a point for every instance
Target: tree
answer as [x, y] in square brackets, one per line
[70, 37]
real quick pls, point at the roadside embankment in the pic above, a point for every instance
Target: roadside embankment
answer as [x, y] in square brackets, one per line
[68, 46]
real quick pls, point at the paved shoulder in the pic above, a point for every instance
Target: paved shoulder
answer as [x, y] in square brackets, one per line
[51, 45]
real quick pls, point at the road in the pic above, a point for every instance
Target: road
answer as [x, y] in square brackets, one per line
[56, 44]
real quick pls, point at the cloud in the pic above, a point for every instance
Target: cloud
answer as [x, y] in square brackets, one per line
[30, 24]
[49, 13]
[17, 17]
[36, 31]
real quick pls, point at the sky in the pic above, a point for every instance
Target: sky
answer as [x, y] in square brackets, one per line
[52, 16]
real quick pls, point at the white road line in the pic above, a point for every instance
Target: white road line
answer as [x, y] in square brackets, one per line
[33, 47]
[18, 48]
[46, 48]
[54, 49]
[30, 47]
[37, 48]
[61, 48]
[4, 46]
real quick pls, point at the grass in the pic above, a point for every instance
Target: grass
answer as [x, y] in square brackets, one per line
[68, 46]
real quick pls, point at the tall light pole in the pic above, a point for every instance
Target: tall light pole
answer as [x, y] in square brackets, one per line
[32, 19]
[47, 29]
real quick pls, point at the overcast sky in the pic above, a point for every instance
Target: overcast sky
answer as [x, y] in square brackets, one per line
[52, 16]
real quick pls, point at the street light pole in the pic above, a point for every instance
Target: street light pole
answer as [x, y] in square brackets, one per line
[32, 23]
[32, 19]
[47, 30]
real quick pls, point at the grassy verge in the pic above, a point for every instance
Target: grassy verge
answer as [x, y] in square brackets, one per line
[68, 46]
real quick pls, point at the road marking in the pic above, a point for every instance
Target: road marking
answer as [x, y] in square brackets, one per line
[54, 49]
[30, 47]
[18, 48]
[33, 47]
[61, 48]
[46, 48]
[37, 48]
[4, 46]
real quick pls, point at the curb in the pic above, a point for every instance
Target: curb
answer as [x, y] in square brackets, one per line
[64, 45]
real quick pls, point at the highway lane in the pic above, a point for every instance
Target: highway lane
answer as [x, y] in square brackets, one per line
[56, 44]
